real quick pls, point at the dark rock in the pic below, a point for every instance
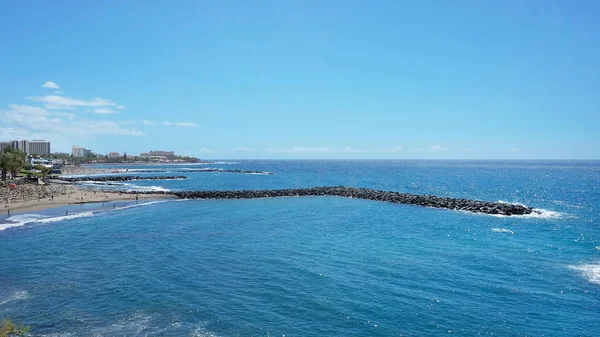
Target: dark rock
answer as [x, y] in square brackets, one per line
[208, 170]
[475, 206]
[120, 178]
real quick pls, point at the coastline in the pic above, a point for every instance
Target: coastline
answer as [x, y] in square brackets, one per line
[90, 168]
[74, 195]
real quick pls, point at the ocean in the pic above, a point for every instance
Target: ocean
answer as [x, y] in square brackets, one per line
[315, 266]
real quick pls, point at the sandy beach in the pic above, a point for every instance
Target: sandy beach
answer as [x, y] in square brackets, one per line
[37, 198]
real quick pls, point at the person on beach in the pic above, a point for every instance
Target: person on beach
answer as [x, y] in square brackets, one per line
[136, 198]
[114, 205]
[67, 212]
[8, 213]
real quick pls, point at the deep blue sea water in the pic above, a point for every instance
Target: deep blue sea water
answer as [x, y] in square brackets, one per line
[317, 266]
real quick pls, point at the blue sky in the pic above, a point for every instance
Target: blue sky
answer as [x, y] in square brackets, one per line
[305, 79]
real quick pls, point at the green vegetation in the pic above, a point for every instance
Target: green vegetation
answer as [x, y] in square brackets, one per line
[11, 160]
[124, 159]
[44, 171]
[9, 329]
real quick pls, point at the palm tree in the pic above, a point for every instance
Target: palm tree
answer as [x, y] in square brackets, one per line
[44, 170]
[4, 164]
[11, 160]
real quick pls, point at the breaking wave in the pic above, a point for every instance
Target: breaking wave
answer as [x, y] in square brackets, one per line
[138, 188]
[538, 213]
[23, 219]
[502, 230]
[16, 296]
[589, 271]
[122, 186]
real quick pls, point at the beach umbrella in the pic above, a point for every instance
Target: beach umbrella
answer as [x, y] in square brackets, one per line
[12, 185]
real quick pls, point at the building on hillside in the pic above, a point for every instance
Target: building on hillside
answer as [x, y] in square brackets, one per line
[161, 159]
[80, 152]
[114, 155]
[145, 155]
[31, 148]
[167, 154]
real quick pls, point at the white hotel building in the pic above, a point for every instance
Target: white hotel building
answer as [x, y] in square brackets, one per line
[80, 152]
[32, 148]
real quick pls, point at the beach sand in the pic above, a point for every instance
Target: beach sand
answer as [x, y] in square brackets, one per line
[73, 195]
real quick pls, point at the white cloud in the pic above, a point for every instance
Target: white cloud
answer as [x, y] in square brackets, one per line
[433, 148]
[120, 106]
[12, 133]
[300, 149]
[185, 124]
[394, 149]
[27, 110]
[242, 149]
[62, 102]
[349, 149]
[147, 122]
[36, 121]
[104, 111]
[50, 85]
[469, 149]
[69, 115]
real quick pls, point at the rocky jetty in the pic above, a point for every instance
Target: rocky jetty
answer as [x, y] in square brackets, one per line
[207, 170]
[119, 178]
[474, 206]
[228, 171]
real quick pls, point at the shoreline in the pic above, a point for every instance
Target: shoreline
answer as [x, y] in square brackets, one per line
[115, 167]
[76, 196]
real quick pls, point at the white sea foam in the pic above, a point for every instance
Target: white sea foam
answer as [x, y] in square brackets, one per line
[541, 213]
[136, 324]
[132, 188]
[16, 296]
[502, 230]
[66, 217]
[128, 187]
[201, 332]
[95, 182]
[23, 219]
[223, 162]
[140, 205]
[511, 203]
[589, 271]
[20, 220]
[538, 213]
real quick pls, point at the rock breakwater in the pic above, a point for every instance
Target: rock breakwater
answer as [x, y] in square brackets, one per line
[119, 178]
[208, 170]
[475, 206]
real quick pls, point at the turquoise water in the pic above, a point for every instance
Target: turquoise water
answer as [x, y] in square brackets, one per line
[317, 266]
